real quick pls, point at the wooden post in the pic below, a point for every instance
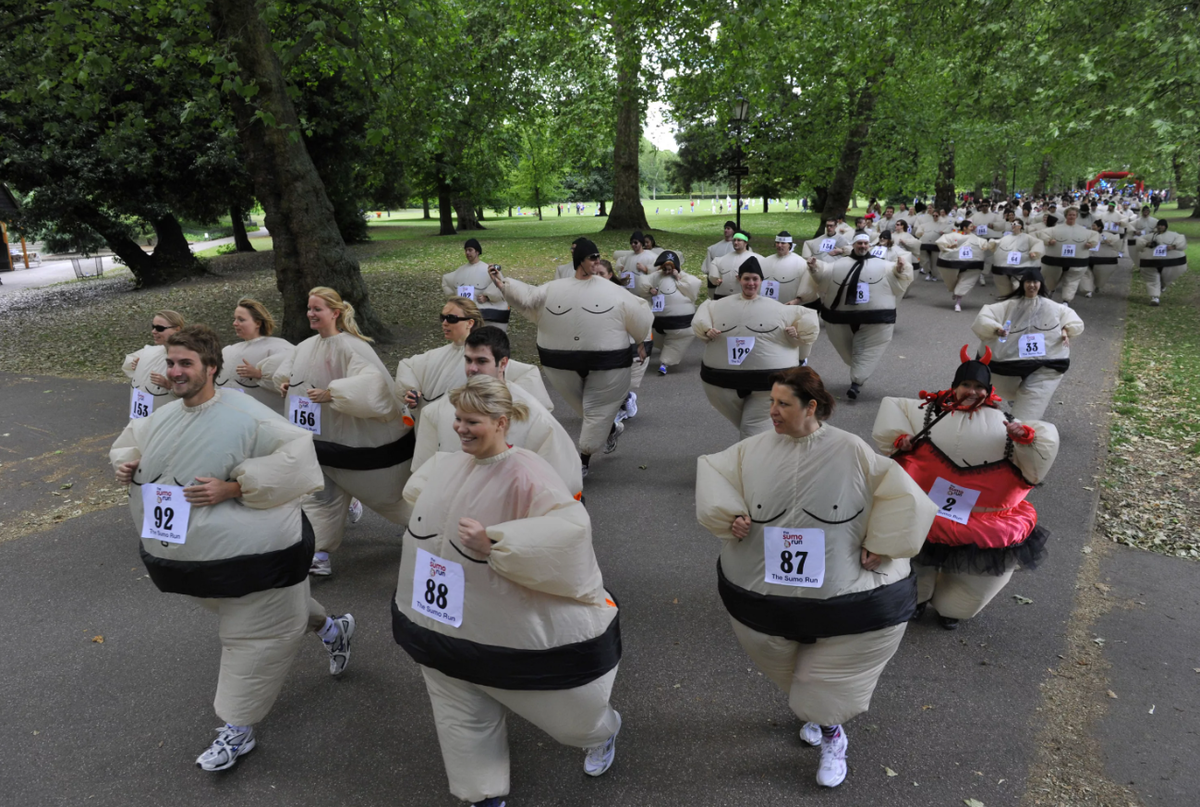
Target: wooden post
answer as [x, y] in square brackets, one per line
[24, 252]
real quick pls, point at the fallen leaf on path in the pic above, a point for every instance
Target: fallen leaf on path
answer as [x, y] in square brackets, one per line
[1100, 641]
[889, 771]
[675, 601]
[98, 639]
[1103, 587]
[926, 707]
[1112, 694]
[1022, 600]
[1085, 487]
[1151, 709]
[641, 467]
[973, 802]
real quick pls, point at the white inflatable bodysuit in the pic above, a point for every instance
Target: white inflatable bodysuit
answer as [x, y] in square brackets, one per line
[266, 353]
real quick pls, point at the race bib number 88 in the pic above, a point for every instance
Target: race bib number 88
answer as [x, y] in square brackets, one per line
[438, 586]
[794, 557]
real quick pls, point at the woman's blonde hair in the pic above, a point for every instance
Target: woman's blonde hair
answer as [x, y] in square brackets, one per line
[259, 313]
[469, 308]
[484, 395]
[174, 317]
[345, 311]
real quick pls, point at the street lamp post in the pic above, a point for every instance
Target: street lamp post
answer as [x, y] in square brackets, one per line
[741, 113]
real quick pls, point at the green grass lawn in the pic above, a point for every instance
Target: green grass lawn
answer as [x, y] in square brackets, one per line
[1150, 498]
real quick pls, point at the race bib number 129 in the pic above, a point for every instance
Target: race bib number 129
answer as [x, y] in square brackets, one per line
[739, 348]
[794, 557]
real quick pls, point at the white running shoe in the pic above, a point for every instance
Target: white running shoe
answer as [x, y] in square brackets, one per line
[833, 759]
[355, 511]
[321, 567]
[225, 750]
[610, 445]
[957, 307]
[600, 757]
[810, 733]
[339, 648]
[631, 402]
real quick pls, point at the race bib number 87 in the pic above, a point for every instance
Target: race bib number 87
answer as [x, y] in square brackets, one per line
[794, 557]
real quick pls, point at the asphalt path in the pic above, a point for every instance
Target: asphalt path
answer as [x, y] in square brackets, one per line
[121, 722]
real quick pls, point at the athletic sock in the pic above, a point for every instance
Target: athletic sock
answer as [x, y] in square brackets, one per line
[830, 731]
[329, 632]
[320, 556]
[239, 729]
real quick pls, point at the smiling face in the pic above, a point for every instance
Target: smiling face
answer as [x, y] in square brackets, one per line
[244, 325]
[189, 377]
[160, 329]
[1072, 215]
[750, 283]
[1032, 287]
[456, 332]
[789, 416]
[970, 393]
[321, 318]
[480, 435]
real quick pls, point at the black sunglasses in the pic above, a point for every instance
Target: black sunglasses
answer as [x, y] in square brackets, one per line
[160, 328]
[595, 256]
[453, 319]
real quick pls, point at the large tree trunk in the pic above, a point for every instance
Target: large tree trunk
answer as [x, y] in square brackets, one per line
[1039, 184]
[840, 190]
[943, 186]
[171, 261]
[766, 204]
[627, 212]
[425, 207]
[1196, 209]
[241, 241]
[820, 194]
[308, 248]
[466, 214]
[603, 212]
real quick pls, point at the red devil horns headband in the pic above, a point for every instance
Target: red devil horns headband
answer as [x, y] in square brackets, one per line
[966, 357]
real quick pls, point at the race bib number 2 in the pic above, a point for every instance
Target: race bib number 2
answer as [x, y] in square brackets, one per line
[739, 348]
[304, 413]
[165, 513]
[141, 405]
[793, 557]
[438, 586]
[953, 502]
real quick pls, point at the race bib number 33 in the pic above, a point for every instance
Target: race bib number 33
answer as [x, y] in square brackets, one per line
[794, 557]
[165, 513]
[1033, 345]
[438, 586]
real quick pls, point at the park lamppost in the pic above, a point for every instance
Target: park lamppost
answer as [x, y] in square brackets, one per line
[741, 113]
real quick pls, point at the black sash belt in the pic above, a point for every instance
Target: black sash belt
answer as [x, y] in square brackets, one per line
[496, 315]
[564, 667]
[1101, 261]
[237, 576]
[1065, 263]
[675, 322]
[1025, 367]
[740, 380]
[961, 266]
[929, 248]
[583, 360]
[1163, 263]
[336, 455]
[806, 620]
[878, 316]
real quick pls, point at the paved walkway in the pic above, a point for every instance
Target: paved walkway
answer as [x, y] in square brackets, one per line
[57, 269]
[956, 715]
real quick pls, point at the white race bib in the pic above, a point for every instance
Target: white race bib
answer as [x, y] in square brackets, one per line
[438, 586]
[879, 252]
[1160, 251]
[628, 278]
[981, 231]
[467, 291]
[965, 253]
[141, 405]
[770, 289]
[953, 502]
[304, 413]
[828, 245]
[862, 294]
[794, 557]
[739, 348]
[1095, 248]
[657, 303]
[1033, 345]
[165, 513]
[1068, 250]
[1014, 258]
